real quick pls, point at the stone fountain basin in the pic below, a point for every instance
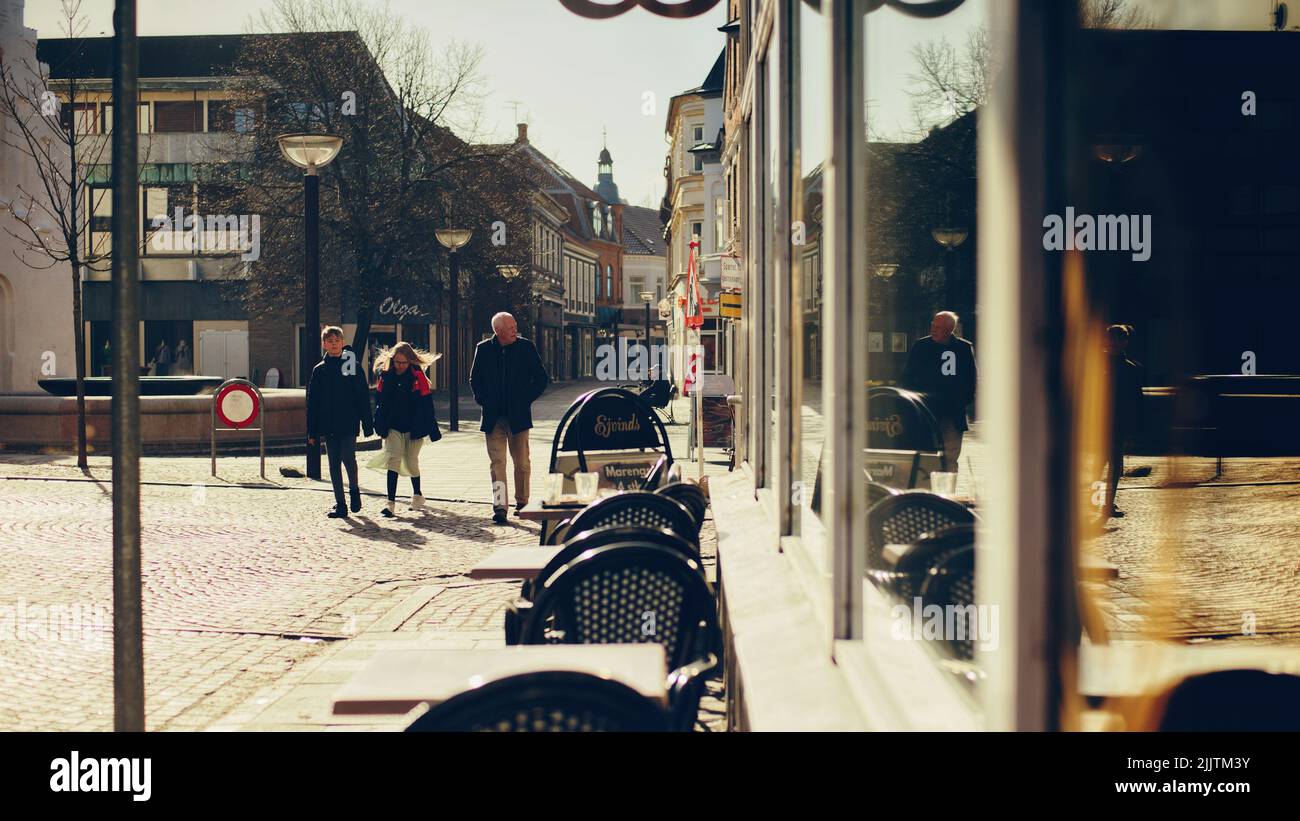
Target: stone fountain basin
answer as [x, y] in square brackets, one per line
[149, 385]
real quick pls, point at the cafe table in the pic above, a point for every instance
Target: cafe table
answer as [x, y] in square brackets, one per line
[550, 514]
[396, 681]
[514, 562]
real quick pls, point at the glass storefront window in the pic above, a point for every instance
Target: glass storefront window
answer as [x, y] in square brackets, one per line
[925, 81]
[1182, 384]
[809, 150]
[776, 236]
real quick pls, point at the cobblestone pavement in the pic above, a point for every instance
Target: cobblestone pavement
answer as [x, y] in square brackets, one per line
[249, 589]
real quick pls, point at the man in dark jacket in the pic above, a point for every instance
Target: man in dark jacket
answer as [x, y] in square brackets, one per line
[507, 377]
[942, 366]
[338, 399]
[1125, 378]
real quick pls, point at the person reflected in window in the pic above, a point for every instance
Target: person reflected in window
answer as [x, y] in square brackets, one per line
[942, 367]
[162, 359]
[1125, 377]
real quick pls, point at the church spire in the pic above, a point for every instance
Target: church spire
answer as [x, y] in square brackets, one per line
[605, 185]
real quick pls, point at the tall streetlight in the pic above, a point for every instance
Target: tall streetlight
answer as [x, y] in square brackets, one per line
[310, 152]
[453, 239]
[647, 297]
[949, 239]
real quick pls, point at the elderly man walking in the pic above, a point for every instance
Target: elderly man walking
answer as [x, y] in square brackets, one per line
[942, 366]
[507, 377]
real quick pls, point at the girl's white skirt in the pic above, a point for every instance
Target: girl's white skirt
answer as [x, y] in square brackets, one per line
[401, 453]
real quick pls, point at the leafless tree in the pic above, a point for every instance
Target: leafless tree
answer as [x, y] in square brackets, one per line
[44, 124]
[407, 116]
[951, 80]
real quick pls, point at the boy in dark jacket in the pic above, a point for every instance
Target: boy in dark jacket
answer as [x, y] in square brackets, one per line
[337, 400]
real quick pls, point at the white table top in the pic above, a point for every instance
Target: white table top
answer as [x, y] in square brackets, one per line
[395, 681]
[514, 563]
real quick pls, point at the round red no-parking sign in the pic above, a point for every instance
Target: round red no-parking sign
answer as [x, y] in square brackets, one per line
[237, 405]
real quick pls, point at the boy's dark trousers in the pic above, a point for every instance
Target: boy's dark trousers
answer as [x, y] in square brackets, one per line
[342, 451]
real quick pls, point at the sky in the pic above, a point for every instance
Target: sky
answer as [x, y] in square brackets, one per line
[573, 77]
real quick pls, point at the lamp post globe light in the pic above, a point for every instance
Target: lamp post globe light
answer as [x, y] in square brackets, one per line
[453, 239]
[949, 238]
[310, 152]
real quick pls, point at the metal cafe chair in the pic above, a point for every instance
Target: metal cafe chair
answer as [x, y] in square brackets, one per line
[656, 475]
[585, 431]
[582, 542]
[909, 570]
[950, 582]
[639, 509]
[546, 702]
[877, 491]
[689, 495]
[633, 592]
[902, 519]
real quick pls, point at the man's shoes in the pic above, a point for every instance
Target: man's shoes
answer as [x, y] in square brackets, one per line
[417, 501]
[519, 507]
[499, 516]
[339, 512]
[390, 509]
[356, 500]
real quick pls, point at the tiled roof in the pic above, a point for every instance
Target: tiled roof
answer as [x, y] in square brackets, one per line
[642, 231]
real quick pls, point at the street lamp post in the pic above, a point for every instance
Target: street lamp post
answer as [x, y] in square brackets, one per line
[949, 239]
[453, 239]
[647, 297]
[309, 152]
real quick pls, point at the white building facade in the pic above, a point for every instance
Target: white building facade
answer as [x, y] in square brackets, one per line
[693, 206]
[36, 328]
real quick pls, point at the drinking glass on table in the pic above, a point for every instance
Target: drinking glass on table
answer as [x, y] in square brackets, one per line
[553, 487]
[586, 484]
[943, 483]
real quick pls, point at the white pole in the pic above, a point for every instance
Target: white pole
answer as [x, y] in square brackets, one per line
[699, 402]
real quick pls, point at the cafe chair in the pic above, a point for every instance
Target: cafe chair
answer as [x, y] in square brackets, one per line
[911, 568]
[631, 592]
[689, 495]
[877, 491]
[546, 702]
[557, 533]
[1229, 701]
[637, 509]
[902, 519]
[585, 541]
[949, 581]
[685, 686]
[655, 477]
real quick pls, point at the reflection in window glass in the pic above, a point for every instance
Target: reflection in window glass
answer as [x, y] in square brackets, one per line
[776, 234]
[811, 145]
[1185, 385]
[926, 81]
